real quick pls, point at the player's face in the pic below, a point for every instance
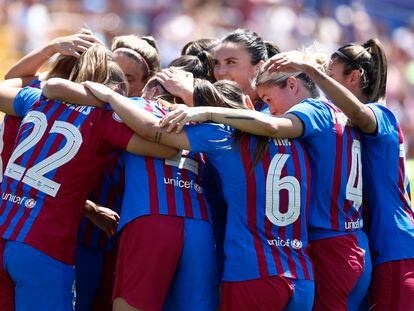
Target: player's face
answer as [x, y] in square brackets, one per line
[336, 72]
[133, 72]
[232, 62]
[279, 99]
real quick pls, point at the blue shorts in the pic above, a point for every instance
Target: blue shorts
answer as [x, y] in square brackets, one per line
[41, 282]
[195, 285]
[89, 266]
[303, 295]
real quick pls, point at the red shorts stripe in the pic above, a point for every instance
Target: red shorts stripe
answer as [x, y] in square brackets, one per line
[338, 264]
[103, 298]
[271, 293]
[392, 286]
[149, 252]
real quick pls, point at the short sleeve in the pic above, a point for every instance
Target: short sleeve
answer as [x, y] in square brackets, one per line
[315, 116]
[385, 121]
[115, 132]
[209, 137]
[25, 99]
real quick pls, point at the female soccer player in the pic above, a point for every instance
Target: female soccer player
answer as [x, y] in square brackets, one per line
[171, 207]
[237, 57]
[58, 150]
[96, 257]
[356, 84]
[138, 58]
[339, 248]
[68, 49]
[266, 239]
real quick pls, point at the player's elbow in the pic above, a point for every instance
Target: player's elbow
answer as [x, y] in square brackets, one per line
[148, 129]
[361, 118]
[53, 87]
[272, 128]
[170, 152]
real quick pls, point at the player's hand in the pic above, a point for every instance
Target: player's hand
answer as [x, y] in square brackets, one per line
[74, 45]
[177, 82]
[178, 118]
[291, 61]
[104, 218]
[99, 90]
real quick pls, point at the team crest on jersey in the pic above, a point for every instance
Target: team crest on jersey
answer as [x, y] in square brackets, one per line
[30, 203]
[297, 244]
[116, 117]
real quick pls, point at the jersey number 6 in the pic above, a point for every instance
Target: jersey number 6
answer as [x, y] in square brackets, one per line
[275, 184]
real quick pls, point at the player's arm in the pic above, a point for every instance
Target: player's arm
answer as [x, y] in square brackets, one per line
[103, 217]
[141, 146]
[7, 96]
[139, 120]
[17, 82]
[361, 115]
[71, 92]
[30, 64]
[250, 121]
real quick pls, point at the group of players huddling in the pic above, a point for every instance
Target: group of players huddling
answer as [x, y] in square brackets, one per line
[238, 178]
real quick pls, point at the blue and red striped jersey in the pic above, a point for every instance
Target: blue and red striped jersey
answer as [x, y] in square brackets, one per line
[36, 83]
[59, 149]
[109, 192]
[163, 186]
[334, 149]
[266, 230]
[390, 216]
[8, 133]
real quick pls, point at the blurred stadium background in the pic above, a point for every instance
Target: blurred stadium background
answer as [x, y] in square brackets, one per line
[26, 24]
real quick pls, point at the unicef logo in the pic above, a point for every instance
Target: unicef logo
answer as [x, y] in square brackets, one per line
[297, 244]
[30, 203]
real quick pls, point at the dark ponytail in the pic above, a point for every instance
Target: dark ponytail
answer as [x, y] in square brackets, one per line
[200, 65]
[369, 58]
[272, 49]
[377, 80]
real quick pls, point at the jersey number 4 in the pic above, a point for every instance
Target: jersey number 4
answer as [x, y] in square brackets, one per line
[354, 183]
[34, 176]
